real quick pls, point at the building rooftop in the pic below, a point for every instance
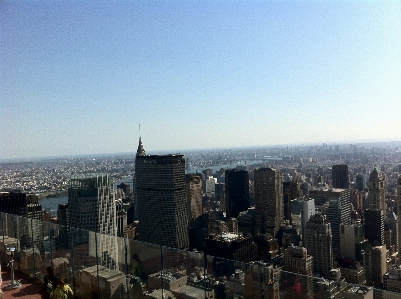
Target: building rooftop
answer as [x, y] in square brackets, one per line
[360, 290]
[28, 289]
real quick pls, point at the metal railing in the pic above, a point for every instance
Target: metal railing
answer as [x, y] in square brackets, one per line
[103, 266]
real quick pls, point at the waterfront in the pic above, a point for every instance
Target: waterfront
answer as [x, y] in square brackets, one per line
[52, 203]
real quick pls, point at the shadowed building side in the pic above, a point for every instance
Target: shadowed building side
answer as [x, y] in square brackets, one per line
[161, 198]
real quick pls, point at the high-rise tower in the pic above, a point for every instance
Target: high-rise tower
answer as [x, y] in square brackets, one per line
[374, 216]
[237, 192]
[291, 191]
[360, 182]
[160, 192]
[399, 211]
[340, 177]
[336, 204]
[92, 209]
[319, 243]
[377, 193]
[194, 197]
[91, 203]
[268, 199]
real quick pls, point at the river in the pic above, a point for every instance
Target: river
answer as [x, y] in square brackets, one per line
[52, 203]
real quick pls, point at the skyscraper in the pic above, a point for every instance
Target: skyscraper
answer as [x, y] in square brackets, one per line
[268, 199]
[160, 191]
[25, 205]
[297, 260]
[377, 191]
[340, 177]
[194, 197]
[92, 209]
[291, 191]
[399, 211]
[301, 210]
[355, 248]
[237, 192]
[91, 203]
[375, 215]
[319, 243]
[339, 212]
[360, 182]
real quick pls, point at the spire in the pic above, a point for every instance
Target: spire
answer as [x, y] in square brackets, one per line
[140, 151]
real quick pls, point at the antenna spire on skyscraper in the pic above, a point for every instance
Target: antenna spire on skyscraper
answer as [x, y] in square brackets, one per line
[140, 151]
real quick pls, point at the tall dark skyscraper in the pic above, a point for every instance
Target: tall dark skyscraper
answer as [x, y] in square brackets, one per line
[237, 192]
[268, 199]
[25, 205]
[291, 191]
[160, 191]
[340, 176]
[360, 182]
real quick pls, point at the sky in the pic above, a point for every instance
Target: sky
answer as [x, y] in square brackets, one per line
[77, 77]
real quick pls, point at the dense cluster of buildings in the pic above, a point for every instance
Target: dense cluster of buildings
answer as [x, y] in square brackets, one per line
[324, 224]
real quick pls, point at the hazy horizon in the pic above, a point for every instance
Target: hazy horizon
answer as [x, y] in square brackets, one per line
[183, 150]
[78, 77]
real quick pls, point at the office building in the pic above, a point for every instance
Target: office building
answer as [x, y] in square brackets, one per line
[250, 222]
[291, 236]
[219, 194]
[305, 186]
[121, 213]
[375, 214]
[319, 243]
[351, 271]
[340, 176]
[20, 204]
[160, 190]
[360, 182]
[231, 246]
[350, 234]
[301, 210]
[63, 216]
[391, 232]
[399, 222]
[210, 188]
[379, 261]
[25, 205]
[261, 281]
[268, 247]
[377, 190]
[268, 199]
[194, 197]
[236, 192]
[338, 212]
[392, 280]
[91, 203]
[291, 191]
[92, 209]
[374, 226]
[357, 200]
[298, 261]
[355, 248]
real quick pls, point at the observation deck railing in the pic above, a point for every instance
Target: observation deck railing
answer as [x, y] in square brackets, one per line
[103, 266]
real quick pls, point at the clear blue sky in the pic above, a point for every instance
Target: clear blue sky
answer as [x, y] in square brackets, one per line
[76, 77]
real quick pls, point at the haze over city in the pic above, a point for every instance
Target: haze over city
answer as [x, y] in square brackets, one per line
[77, 77]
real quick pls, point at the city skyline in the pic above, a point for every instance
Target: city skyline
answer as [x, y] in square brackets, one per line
[78, 77]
